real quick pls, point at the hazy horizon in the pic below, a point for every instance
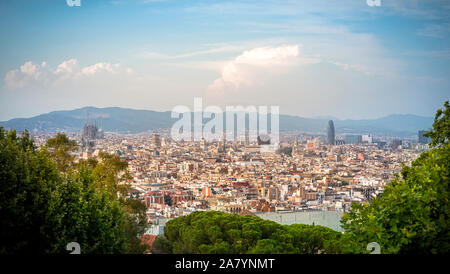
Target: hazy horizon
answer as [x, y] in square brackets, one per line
[323, 117]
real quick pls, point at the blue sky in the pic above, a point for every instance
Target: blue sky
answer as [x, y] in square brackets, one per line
[312, 58]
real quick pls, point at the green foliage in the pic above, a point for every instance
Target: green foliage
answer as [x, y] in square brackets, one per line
[60, 148]
[135, 225]
[29, 181]
[440, 134]
[162, 244]
[90, 216]
[111, 175]
[109, 171]
[213, 232]
[46, 201]
[315, 239]
[412, 215]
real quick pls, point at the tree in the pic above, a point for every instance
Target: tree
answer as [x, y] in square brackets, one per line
[60, 148]
[29, 180]
[46, 201]
[111, 174]
[213, 232]
[135, 225]
[90, 216]
[412, 214]
[315, 239]
[440, 134]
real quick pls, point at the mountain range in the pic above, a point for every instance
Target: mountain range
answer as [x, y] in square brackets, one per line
[124, 120]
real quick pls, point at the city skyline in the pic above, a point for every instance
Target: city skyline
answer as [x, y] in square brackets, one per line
[121, 120]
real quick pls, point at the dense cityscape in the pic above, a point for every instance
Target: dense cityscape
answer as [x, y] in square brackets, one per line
[309, 173]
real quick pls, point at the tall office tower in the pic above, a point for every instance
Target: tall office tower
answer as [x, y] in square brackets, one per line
[156, 141]
[331, 133]
[423, 139]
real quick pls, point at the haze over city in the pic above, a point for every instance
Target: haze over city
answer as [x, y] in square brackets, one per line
[312, 58]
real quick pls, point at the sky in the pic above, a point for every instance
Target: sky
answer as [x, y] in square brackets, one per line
[345, 58]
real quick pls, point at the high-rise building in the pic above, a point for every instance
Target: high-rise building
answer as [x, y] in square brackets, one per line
[331, 140]
[156, 141]
[423, 139]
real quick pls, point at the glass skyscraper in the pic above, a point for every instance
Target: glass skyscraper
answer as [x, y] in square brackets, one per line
[423, 139]
[331, 134]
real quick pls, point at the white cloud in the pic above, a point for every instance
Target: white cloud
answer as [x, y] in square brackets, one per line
[100, 67]
[71, 69]
[30, 74]
[209, 51]
[30, 69]
[213, 49]
[12, 79]
[67, 68]
[265, 56]
[246, 68]
[27, 74]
